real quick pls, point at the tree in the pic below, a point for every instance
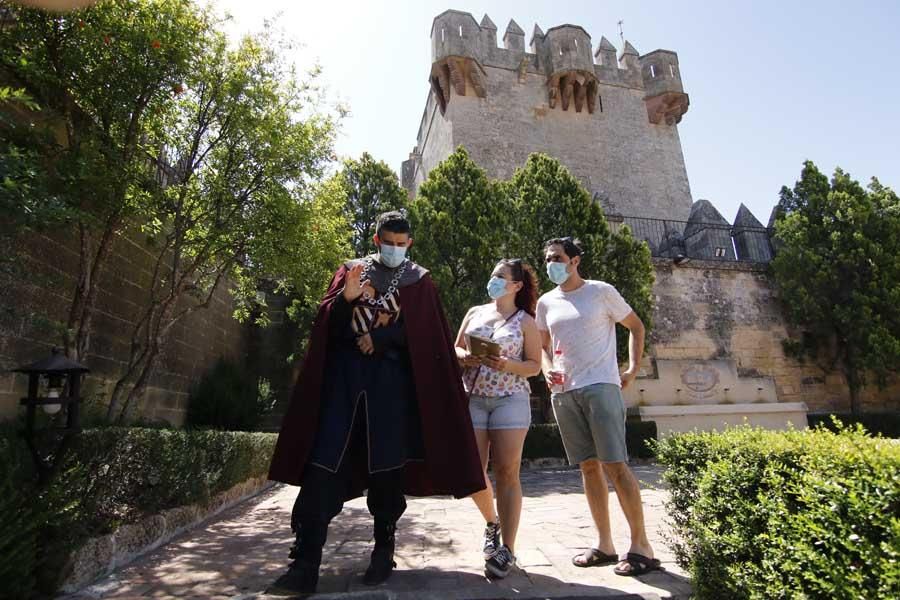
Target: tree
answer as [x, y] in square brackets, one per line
[372, 188]
[460, 230]
[549, 202]
[99, 81]
[838, 274]
[240, 202]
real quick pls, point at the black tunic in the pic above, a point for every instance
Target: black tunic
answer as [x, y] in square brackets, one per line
[378, 388]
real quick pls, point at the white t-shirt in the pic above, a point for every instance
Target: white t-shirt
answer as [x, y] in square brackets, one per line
[582, 324]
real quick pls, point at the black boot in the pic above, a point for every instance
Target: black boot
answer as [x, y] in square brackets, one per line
[300, 579]
[382, 563]
[302, 575]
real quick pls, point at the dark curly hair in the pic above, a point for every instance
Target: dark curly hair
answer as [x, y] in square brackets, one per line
[526, 298]
[571, 246]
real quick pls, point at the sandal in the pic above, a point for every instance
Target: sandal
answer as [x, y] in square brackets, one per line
[637, 564]
[593, 557]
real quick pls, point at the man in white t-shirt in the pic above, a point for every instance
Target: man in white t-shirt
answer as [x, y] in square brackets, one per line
[577, 320]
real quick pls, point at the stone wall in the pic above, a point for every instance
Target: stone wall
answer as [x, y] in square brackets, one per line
[727, 310]
[34, 299]
[495, 102]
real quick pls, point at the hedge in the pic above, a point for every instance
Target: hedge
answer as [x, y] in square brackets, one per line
[763, 514]
[543, 440]
[886, 423]
[109, 477]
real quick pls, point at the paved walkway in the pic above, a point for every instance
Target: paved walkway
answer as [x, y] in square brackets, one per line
[439, 548]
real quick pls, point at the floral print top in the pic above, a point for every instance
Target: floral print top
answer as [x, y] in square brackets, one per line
[485, 381]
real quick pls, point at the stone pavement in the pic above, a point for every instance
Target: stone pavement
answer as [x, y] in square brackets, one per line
[244, 549]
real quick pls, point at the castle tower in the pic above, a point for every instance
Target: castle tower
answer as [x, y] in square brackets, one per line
[612, 122]
[565, 54]
[457, 40]
[751, 239]
[665, 97]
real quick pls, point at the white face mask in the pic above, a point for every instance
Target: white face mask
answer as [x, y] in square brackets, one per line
[391, 256]
[558, 272]
[496, 287]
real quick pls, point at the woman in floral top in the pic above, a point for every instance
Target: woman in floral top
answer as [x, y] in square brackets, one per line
[499, 399]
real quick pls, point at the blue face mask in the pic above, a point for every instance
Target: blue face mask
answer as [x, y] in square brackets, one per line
[557, 272]
[496, 287]
[391, 256]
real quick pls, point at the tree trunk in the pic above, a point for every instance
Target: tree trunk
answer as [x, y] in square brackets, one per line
[92, 261]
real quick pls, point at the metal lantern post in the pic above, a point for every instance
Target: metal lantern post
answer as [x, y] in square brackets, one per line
[54, 383]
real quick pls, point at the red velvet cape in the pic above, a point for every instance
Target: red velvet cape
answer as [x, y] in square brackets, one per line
[451, 465]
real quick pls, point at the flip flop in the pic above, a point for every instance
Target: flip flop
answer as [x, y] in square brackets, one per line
[593, 557]
[637, 564]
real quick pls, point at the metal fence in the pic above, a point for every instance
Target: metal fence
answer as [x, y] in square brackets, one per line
[685, 240]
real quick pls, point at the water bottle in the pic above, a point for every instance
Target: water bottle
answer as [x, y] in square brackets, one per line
[559, 366]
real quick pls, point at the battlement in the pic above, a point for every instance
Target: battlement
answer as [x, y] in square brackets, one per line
[461, 48]
[608, 114]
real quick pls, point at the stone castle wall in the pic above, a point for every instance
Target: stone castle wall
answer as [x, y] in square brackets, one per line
[709, 311]
[37, 296]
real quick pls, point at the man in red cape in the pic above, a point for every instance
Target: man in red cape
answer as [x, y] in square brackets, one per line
[378, 405]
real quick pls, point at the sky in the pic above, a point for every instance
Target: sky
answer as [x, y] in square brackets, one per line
[771, 84]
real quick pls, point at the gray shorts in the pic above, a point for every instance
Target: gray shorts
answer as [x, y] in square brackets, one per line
[592, 423]
[501, 412]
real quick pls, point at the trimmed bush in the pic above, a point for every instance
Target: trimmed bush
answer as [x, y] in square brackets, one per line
[109, 477]
[543, 440]
[799, 514]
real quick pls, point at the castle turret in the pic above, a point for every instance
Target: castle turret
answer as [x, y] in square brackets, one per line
[606, 54]
[751, 240]
[565, 54]
[456, 43]
[514, 38]
[665, 97]
[629, 62]
[537, 39]
[488, 32]
[707, 234]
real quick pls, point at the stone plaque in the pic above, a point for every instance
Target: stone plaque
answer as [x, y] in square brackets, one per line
[700, 380]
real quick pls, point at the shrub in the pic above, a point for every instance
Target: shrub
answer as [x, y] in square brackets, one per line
[228, 398]
[762, 514]
[109, 477]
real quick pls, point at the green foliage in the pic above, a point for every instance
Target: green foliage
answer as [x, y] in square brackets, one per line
[228, 398]
[838, 273]
[20, 520]
[372, 188]
[97, 82]
[140, 114]
[109, 477]
[763, 514]
[247, 144]
[463, 224]
[461, 227]
[549, 202]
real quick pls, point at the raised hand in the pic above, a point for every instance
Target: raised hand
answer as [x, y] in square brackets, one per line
[353, 287]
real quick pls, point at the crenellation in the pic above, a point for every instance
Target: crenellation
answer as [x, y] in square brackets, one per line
[537, 39]
[514, 38]
[503, 103]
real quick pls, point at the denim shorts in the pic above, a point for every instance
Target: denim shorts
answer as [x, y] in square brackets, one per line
[501, 412]
[592, 423]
